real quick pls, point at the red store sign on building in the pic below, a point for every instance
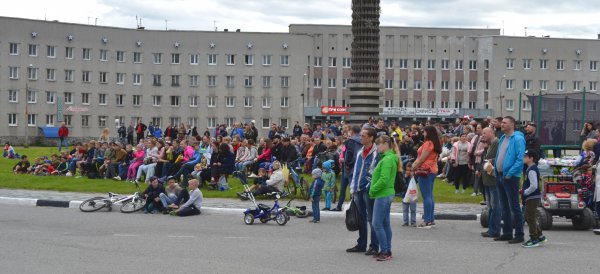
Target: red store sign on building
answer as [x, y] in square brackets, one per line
[334, 111]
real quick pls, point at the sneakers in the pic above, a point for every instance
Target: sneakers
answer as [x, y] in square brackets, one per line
[456, 191]
[384, 256]
[325, 209]
[516, 241]
[463, 191]
[503, 239]
[355, 249]
[426, 225]
[314, 221]
[530, 243]
[243, 196]
[253, 176]
[118, 178]
[542, 239]
[474, 194]
[405, 224]
[488, 235]
[371, 252]
[336, 209]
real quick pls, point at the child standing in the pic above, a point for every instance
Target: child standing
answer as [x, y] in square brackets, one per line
[412, 206]
[531, 198]
[328, 178]
[315, 194]
[587, 186]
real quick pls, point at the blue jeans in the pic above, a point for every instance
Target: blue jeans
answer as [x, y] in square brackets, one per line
[123, 171]
[63, 142]
[315, 209]
[167, 199]
[185, 170]
[344, 182]
[426, 187]
[328, 199]
[365, 209]
[381, 222]
[413, 212]
[511, 207]
[494, 210]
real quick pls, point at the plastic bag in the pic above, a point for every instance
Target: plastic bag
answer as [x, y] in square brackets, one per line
[412, 194]
[285, 171]
[353, 219]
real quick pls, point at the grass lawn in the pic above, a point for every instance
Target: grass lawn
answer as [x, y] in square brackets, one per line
[443, 192]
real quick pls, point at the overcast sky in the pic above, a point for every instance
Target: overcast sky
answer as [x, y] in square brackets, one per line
[574, 18]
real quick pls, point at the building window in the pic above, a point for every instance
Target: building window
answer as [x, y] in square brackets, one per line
[266, 102]
[560, 105]
[102, 121]
[430, 64]
[430, 85]
[137, 57]
[248, 59]
[68, 96]
[509, 83]
[211, 101]
[560, 64]
[32, 50]
[472, 105]
[543, 84]
[156, 100]
[285, 81]
[103, 55]
[285, 102]
[212, 59]
[389, 63]
[86, 54]
[576, 85]
[527, 84]
[283, 122]
[85, 120]
[193, 80]
[458, 85]
[211, 122]
[317, 82]
[13, 96]
[32, 73]
[120, 99]
[51, 75]
[229, 81]
[50, 97]
[577, 105]
[510, 104]
[577, 65]
[194, 59]
[417, 63]
[543, 64]
[389, 103]
[285, 60]
[526, 105]
[69, 75]
[458, 64]
[175, 80]
[445, 64]
[69, 52]
[175, 101]
[248, 81]
[417, 104]
[417, 84]
[67, 119]
[31, 119]
[137, 100]
[13, 72]
[346, 62]
[344, 82]
[487, 85]
[248, 101]
[593, 65]
[266, 81]
[157, 121]
[31, 96]
[458, 104]
[444, 104]
[331, 83]
[157, 58]
[14, 49]
[120, 78]
[12, 119]
[472, 64]
[137, 79]
[229, 121]
[230, 59]
[331, 102]
[120, 56]
[593, 86]
[175, 58]
[103, 78]
[193, 101]
[102, 99]
[192, 121]
[318, 60]
[403, 63]
[445, 85]
[486, 64]
[51, 51]
[266, 60]
[402, 84]
[266, 123]
[332, 62]
[526, 63]
[229, 101]
[389, 84]
[510, 63]
[156, 80]
[212, 81]
[560, 85]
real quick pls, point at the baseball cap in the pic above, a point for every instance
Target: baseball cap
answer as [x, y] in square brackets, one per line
[170, 177]
[533, 154]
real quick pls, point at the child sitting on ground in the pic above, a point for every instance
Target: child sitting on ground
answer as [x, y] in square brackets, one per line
[328, 178]
[531, 197]
[315, 194]
[22, 166]
[412, 205]
[261, 180]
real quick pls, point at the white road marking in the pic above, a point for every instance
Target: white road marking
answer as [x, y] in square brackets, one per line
[125, 235]
[236, 237]
[180, 236]
[431, 242]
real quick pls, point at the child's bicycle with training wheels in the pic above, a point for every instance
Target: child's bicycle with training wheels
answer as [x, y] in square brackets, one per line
[298, 211]
[130, 203]
[299, 184]
[264, 212]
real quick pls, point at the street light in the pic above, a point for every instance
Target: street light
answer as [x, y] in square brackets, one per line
[501, 97]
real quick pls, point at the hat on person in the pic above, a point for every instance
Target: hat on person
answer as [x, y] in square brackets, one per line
[170, 178]
[327, 165]
[533, 154]
[276, 165]
[317, 173]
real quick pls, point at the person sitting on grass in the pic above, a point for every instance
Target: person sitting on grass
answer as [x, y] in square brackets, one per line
[9, 151]
[260, 181]
[152, 195]
[193, 204]
[22, 166]
[62, 168]
[274, 183]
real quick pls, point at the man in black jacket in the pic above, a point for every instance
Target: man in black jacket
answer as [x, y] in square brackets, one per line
[288, 152]
[532, 142]
[297, 132]
[353, 145]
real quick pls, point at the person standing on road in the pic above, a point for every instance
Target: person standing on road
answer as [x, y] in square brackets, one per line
[509, 166]
[352, 146]
[366, 160]
[382, 191]
[427, 161]
[63, 133]
[532, 198]
[488, 137]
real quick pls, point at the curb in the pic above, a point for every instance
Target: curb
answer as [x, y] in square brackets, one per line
[220, 210]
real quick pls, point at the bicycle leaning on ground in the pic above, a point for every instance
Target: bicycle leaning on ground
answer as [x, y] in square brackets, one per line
[299, 184]
[130, 203]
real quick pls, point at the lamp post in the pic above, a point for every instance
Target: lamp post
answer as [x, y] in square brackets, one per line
[500, 96]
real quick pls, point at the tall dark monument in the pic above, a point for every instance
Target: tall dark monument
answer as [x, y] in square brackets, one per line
[364, 80]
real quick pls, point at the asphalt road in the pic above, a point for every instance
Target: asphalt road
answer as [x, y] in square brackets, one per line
[58, 240]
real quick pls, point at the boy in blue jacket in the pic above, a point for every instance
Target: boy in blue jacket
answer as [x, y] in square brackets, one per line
[315, 194]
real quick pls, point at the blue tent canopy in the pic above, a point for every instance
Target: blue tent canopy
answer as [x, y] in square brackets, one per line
[50, 132]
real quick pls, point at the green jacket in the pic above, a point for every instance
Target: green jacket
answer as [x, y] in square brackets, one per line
[329, 180]
[384, 176]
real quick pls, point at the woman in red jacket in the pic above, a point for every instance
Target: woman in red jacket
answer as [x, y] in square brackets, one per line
[264, 157]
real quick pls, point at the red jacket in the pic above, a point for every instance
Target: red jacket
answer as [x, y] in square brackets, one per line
[63, 132]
